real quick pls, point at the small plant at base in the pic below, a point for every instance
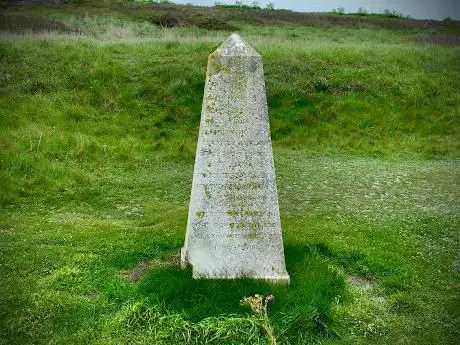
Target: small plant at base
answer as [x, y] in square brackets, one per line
[260, 305]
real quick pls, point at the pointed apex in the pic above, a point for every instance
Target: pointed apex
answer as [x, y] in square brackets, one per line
[236, 46]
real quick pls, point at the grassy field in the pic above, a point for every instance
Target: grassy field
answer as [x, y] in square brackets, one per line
[99, 116]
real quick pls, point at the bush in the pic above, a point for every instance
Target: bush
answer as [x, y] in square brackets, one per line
[166, 20]
[270, 6]
[361, 11]
[392, 14]
[240, 5]
[21, 23]
[209, 23]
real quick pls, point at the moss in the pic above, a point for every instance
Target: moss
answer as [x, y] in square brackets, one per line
[255, 186]
[206, 190]
[253, 227]
[214, 67]
[247, 226]
[252, 213]
[200, 214]
[232, 213]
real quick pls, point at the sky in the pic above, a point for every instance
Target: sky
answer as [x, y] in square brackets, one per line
[418, 9]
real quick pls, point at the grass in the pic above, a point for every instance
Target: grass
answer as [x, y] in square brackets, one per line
[98, 134]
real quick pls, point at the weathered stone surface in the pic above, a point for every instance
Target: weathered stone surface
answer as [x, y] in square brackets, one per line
[234, 228]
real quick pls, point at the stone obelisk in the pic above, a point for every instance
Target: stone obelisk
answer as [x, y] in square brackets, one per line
[234, 228]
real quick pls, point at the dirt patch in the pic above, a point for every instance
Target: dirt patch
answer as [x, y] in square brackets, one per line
[143, 268]
[445, 40]
[360, 282]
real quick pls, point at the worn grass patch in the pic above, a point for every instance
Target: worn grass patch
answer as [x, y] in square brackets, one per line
[141, 270]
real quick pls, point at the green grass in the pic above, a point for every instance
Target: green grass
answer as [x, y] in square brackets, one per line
[97, 141]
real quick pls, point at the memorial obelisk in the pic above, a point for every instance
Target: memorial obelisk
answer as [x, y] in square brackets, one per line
[234, 228]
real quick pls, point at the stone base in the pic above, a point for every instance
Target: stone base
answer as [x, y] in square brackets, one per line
[282, 280]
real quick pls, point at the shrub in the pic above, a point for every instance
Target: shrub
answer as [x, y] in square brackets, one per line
[239, 4]
[392, 14]
[270, 6]
[339, 10]
[166, 20]
[362, 11]
[21, 23]
[211, 23]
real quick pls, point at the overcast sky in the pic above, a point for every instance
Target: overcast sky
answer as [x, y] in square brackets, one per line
[419, 9]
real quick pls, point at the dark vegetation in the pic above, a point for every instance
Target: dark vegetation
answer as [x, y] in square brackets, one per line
[228, 16]
[22, 23]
